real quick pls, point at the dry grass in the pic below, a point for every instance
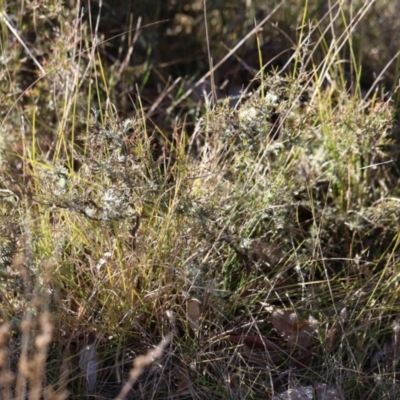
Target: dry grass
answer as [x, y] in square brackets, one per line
[255, 238]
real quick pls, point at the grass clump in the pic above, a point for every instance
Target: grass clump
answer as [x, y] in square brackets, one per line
[248, 255]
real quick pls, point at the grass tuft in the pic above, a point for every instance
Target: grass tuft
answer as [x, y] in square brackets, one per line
[157, 244]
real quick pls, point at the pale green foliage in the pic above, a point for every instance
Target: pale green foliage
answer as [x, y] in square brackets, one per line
[112, 225]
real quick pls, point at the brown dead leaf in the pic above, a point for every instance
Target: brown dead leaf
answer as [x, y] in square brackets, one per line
[258, 349]
[259, 357]
[193, 312]
[298, 331]
[255, 341]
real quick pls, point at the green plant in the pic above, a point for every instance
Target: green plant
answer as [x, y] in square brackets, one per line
[233, 248]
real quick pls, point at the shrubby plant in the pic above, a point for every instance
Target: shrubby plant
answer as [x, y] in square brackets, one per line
[248, 250]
